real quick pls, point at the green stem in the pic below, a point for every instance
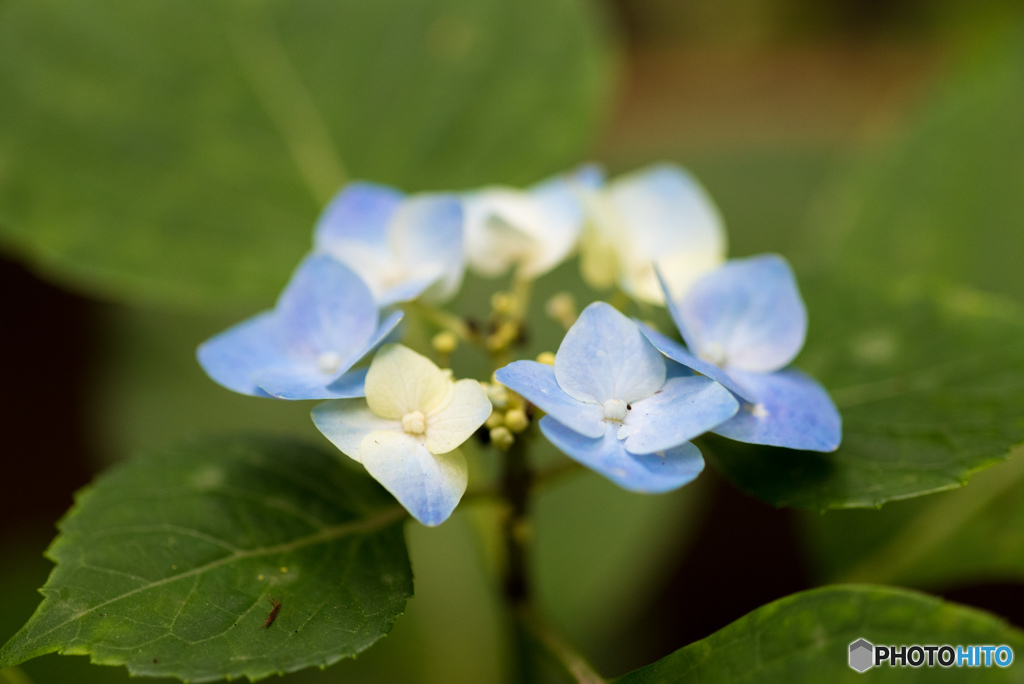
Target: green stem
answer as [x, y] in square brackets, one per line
[515, 528]
[515, 486]
[556, 646]
[442, 319]
[528, 630]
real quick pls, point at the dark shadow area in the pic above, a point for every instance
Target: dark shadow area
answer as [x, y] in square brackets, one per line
[745, 555]
[46, 351]
[1003, 599]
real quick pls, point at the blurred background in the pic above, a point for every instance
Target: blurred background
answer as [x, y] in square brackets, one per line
[161, 168]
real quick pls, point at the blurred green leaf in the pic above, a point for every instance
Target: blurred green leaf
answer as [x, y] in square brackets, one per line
[930, 383]
[179, 151]
[13, 675]
[965, 536]
[948, 198]
[147, 390]
[576, 522]
[171, 561]
[806, 637]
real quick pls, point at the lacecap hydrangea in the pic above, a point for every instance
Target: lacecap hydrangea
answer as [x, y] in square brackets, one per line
[621, 398]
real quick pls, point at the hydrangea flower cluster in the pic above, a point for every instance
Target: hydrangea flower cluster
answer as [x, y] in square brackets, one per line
[620, 397]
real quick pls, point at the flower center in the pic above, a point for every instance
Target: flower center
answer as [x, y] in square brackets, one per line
[328, 362]
[614, 409]
[713, 353]
[415, 423]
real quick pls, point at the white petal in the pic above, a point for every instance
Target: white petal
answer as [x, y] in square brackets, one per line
[498, 233]
[603, 230]
[346, 422]
[428, 485]
[534, 230]
[662, 215]
[455, 423]
[401, 381]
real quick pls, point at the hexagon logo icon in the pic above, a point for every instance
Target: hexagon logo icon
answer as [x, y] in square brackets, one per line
[862, 655]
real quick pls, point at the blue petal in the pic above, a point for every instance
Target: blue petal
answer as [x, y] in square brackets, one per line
[671, 304]
[299, 382]
[794, 411]
[408, 290]
[589, 176]
[651, 473]
[326, 308]
[359, 213]
[749, 313]
[427, 235]
[350, 385]
[386, 332]
[536, 382]
[428, 485]
[299, 379]
[678, 353]
[605, 356]
[231, 357]
[681, 410]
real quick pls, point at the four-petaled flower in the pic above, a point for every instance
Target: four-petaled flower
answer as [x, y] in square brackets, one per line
[533, 230]
[744, 323]
[401, 246]
[405, 432]
[659, 216]
[324, 322]
[616, 405]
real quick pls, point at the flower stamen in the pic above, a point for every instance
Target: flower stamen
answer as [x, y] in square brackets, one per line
[614, 409]
[329, 362]
[415, 423]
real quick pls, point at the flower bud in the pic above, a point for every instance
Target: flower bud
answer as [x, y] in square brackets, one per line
[516, 420]
[502, 439]
[445, 342]
[496, 419]
[561, 308]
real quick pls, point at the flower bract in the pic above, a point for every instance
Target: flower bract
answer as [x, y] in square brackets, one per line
[407, 429]
[616, 405]
[532, 230]
[743, 324]
[658, 216]
[324, 322]
[401, 246]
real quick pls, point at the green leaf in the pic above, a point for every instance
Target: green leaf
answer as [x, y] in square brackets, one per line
[969, 535]
[806, 637]
[169, 564]
[948, 198]
[930, 383]
[181, 150]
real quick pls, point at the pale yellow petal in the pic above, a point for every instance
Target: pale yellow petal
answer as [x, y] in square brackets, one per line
[401, 381]
[455, 423]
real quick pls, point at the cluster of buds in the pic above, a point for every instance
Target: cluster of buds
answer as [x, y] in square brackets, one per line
[510, 416]
[506, 322]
